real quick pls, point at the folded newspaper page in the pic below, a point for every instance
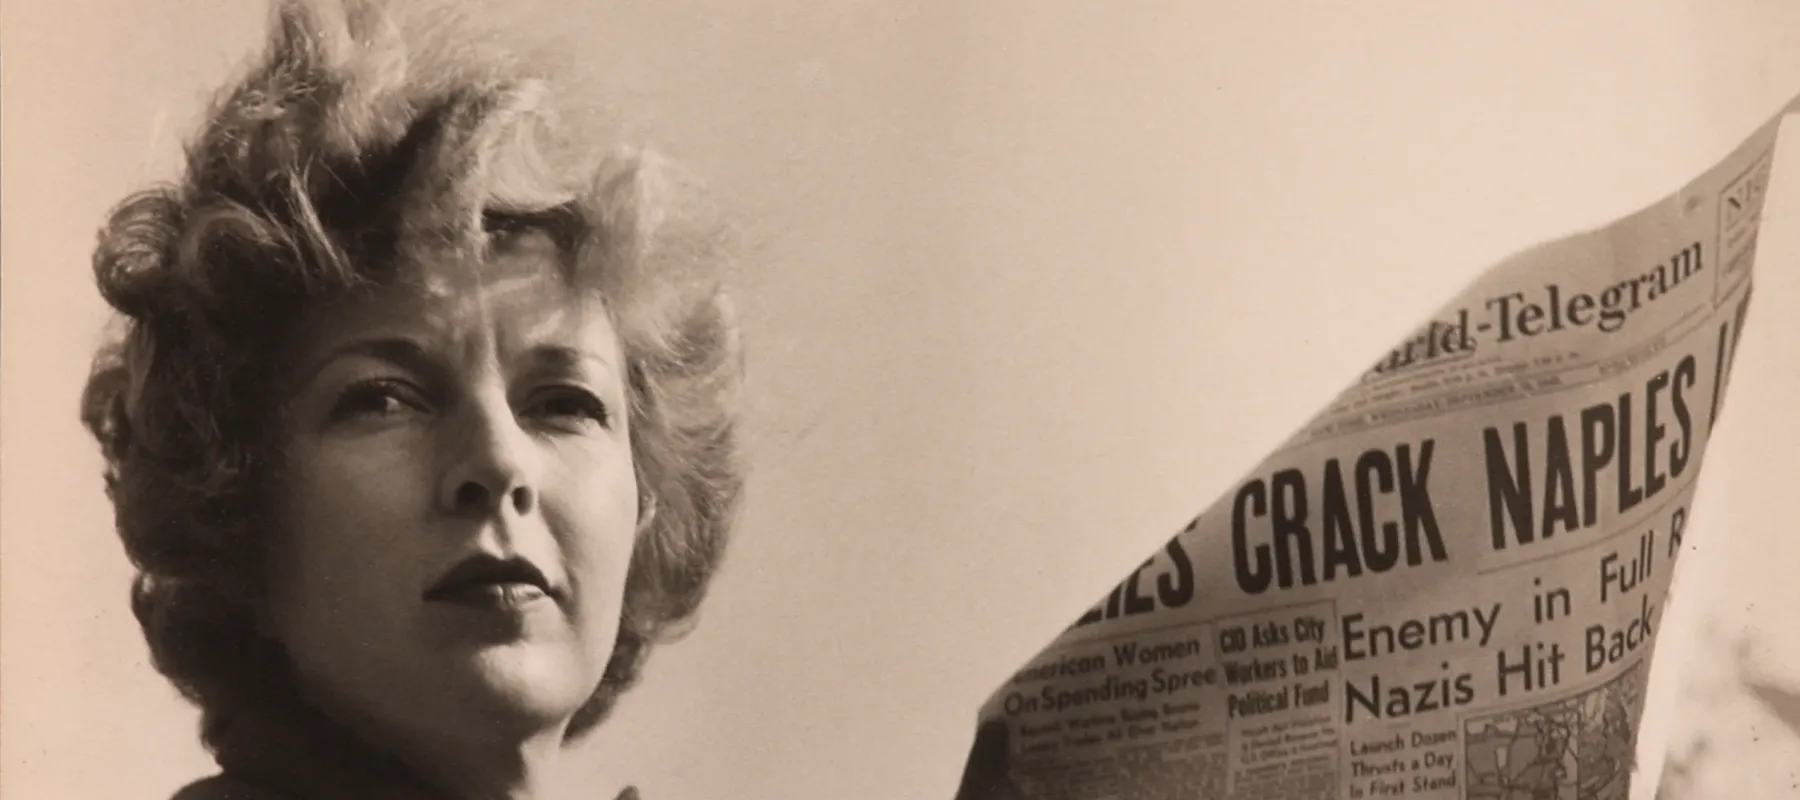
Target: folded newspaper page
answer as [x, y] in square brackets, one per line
[1447, 584]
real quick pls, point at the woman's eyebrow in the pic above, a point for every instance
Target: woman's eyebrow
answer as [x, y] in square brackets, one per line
[564, 358]
[399, 351]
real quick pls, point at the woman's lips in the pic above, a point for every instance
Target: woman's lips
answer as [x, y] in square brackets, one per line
[491, 596]
[491, 584]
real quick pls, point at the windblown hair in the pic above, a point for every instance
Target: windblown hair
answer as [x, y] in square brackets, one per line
[363, 138]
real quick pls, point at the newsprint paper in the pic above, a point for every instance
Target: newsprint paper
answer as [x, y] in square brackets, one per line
[1448, 583]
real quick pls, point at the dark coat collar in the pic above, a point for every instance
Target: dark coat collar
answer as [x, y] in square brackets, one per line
[289, 751]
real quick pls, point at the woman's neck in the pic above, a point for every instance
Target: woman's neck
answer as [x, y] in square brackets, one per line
[464, 761]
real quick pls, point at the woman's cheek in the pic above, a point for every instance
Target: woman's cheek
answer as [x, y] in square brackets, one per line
[345, 493]
[597, 536]
[383, 469]
[596, 530]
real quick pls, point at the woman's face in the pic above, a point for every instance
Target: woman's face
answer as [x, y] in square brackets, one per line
[458, 504]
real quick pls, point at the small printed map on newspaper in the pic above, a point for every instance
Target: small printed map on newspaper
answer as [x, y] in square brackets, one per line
[1570, 749]
[1448, 583]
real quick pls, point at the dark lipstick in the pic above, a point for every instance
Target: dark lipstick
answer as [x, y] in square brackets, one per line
[489, 583]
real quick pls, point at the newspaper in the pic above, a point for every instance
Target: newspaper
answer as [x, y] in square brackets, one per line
[1448, 583]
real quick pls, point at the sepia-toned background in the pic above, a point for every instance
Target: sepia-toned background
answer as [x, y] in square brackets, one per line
[1029, 285]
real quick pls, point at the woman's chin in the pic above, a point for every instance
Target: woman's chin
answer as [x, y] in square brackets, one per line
[524, 683]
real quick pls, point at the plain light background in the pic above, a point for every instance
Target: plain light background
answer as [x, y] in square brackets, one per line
[1033, 284]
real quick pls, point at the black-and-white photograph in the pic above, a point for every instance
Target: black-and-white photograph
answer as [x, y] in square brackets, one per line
[541, 399]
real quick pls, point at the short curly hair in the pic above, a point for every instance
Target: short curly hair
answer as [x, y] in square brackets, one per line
[363, 137]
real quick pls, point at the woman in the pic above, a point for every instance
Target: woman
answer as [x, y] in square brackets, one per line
[420, 429]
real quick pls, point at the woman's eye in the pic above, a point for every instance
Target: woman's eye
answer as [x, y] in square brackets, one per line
[374, 399]
[571, 405]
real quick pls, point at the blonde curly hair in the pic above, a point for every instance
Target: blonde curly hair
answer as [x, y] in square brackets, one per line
[367, 135]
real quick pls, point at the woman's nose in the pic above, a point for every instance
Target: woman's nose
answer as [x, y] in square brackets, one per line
[486, 472]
